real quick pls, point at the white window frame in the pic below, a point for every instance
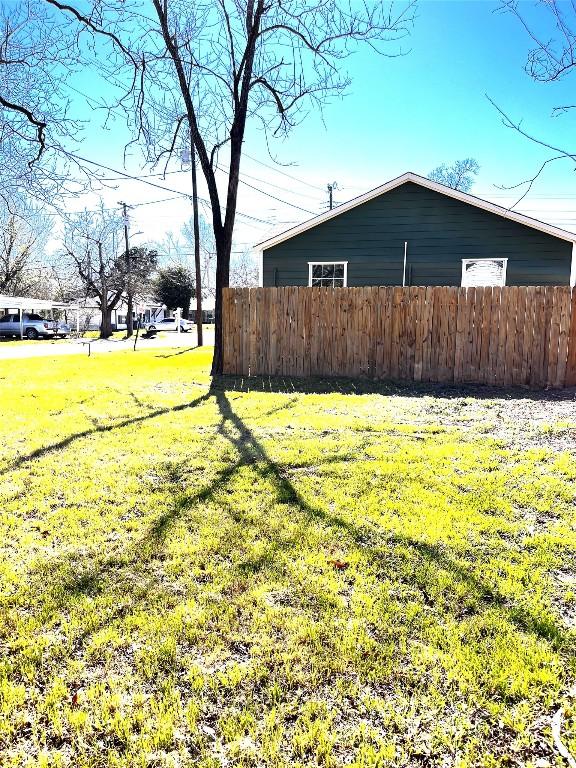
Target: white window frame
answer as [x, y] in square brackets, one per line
[312, 264]
[493, 258]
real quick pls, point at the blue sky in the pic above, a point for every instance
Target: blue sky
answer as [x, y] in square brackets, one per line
[412, 112]
[428, 107]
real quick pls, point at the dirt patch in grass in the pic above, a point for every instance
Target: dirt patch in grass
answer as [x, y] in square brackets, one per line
[519, 417]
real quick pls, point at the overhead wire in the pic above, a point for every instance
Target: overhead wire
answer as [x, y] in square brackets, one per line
[283, 173]
[177, 192]
[267, 194]
[243, 173]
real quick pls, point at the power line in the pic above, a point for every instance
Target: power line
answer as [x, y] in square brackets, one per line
[153, 184]
[247, 175]
[153, 202]
[267, 194]
[271, 167]
[145, 175]
[277, 186]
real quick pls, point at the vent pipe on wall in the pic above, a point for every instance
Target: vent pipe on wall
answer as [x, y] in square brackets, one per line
[404, 269]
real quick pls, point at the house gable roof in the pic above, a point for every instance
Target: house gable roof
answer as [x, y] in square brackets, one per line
[464, 197]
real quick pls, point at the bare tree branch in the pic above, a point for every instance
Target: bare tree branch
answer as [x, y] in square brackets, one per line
[40, 125]
[552, 58]
[87, 21]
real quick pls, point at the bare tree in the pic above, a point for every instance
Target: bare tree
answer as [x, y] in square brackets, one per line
[552, 58]
[458, 176]
[206, 68]
[61, 283]
[24, 232]
[91, 243]
[64, 283]
[243, 270]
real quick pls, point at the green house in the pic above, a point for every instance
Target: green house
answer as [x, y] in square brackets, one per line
[413, 231]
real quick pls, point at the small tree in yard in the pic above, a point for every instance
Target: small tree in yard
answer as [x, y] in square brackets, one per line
[459, 176]
[198, 72]
[140, 264]
[174, 287]
[91, 245]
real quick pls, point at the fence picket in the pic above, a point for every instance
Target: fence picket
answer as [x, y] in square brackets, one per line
[386, 332]
[554, 337]
[420, 300]
[511, 320]
[563, 337]
[518, 353]
[425, 331]
[528, 336]
[570, 377]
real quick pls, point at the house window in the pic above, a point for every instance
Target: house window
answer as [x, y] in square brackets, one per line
[479, 272]
[327, 274]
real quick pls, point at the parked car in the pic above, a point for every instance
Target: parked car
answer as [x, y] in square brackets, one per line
[169, 324]
[33, 326]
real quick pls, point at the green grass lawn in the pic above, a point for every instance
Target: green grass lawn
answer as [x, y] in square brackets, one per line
[197, 575]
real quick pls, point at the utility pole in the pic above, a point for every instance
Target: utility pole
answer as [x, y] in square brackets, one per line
[129, 289]
[198, 278]
[331, 188]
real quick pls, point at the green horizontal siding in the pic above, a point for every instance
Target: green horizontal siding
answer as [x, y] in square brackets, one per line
[440, 232]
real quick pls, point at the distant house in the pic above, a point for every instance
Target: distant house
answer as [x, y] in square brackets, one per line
[413, 231]
[91, 317]
[208, 309]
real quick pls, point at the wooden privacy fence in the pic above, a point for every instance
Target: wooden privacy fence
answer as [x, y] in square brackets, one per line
[500, 336]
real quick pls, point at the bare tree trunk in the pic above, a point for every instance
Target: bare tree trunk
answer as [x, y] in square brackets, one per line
[198, 279]
[223, 248]
[106, 324]
[129, 315]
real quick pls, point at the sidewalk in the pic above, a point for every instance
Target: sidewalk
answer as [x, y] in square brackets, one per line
[10, 350]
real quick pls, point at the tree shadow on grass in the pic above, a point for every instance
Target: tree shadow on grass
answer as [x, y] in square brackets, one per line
[378, 548]
[98, 428]
[180, 352]
[251, 450]
[65, 579]
[363, 386]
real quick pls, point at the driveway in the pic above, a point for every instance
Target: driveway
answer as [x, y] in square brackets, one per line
[13, 350]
